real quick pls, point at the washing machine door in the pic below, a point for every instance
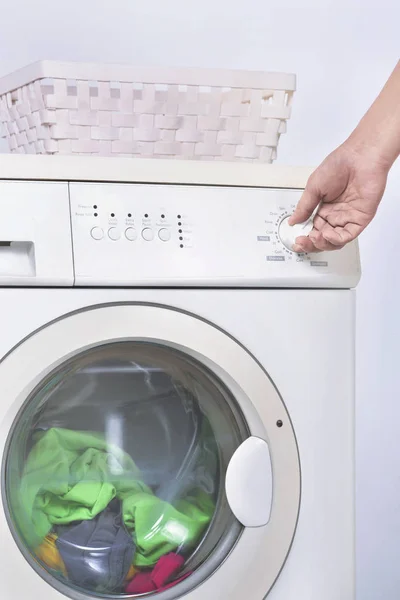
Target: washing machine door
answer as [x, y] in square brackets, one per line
[145, 452]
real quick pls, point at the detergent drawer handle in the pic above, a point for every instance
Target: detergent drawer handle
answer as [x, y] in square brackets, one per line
[249, 483]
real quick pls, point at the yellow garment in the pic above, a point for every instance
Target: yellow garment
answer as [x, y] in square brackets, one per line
[48, 553]
[131, 573]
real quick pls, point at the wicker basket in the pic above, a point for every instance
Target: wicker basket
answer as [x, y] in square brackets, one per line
[73, 108]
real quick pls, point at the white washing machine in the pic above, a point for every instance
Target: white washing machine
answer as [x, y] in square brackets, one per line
[177, 387]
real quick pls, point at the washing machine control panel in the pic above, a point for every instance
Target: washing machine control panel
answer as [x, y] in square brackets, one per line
[139, 234]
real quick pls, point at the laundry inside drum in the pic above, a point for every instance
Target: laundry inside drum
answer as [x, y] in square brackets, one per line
[115, 469]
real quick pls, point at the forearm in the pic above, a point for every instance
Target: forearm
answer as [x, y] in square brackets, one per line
[378, 133]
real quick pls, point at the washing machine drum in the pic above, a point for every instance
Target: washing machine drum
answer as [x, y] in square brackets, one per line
[115, 472]
[141, 408]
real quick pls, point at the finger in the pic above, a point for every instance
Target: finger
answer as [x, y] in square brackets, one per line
[304, 244]
[319, 222]
[323, 244]
[321, 226]
[307, 204]
[339, 236]
[327, 183]
[328, 232]
[354, 230]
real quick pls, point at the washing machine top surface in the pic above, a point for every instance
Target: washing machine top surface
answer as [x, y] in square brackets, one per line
[96, 222]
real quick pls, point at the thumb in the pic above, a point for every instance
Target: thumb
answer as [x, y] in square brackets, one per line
[308, 202]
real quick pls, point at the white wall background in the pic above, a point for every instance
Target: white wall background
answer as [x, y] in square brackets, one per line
[342, 51]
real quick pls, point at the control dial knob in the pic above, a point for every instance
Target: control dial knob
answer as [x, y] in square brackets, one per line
[289, 233]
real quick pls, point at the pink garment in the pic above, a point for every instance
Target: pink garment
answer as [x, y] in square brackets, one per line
[140, 584]
[157, 579]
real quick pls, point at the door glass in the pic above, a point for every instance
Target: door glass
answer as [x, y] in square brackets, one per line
[115, 469]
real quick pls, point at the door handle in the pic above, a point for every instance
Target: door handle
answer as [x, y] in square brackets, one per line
[249, 484]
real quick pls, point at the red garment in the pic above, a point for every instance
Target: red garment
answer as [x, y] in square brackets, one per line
[140, 584]
[157, 579]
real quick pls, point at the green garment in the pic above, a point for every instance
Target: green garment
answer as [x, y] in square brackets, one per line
[159, 528]
[73, 476]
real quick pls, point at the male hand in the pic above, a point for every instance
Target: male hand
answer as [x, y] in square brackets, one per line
[349, 184]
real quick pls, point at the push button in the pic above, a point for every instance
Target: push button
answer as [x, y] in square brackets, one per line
[164, 234]
[97, 233]
[147, 234]
[131, 234]
[114, 234]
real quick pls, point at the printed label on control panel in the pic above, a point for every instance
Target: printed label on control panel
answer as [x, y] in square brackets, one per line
[263, 238]
[275, 258]
[318, 263]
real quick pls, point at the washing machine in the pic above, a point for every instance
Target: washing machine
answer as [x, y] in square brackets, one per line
[177, 386]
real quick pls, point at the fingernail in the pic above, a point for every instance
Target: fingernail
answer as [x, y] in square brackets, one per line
[297, 248]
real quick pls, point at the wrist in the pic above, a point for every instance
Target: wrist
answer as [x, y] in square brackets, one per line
[374, 146]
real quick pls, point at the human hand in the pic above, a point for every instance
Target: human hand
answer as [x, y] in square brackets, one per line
[349, 184]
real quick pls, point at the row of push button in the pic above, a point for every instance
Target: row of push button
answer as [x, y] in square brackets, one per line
[114, 234]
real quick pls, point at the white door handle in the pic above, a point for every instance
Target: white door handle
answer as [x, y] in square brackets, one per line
[248, 483]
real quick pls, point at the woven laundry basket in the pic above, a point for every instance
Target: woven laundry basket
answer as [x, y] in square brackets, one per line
[111, 110]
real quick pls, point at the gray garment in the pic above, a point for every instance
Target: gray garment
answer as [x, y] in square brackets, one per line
[97, 554]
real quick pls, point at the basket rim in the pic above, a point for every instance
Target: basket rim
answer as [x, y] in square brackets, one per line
[104, 72]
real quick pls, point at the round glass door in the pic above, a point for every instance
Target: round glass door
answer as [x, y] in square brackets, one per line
[115, 471]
